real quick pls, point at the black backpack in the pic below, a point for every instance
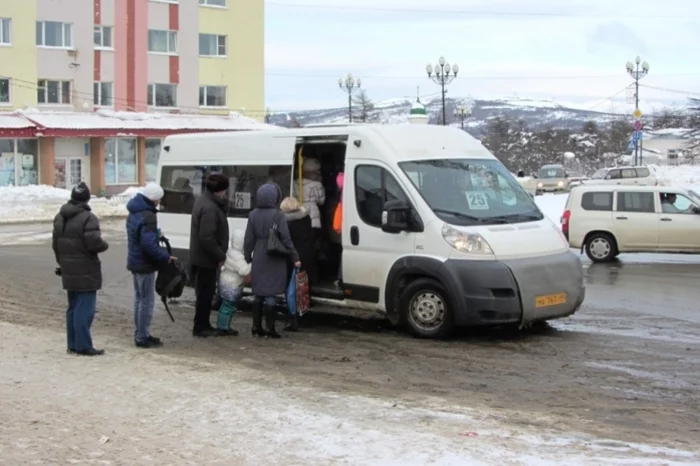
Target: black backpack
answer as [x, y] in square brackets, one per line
[171, 279]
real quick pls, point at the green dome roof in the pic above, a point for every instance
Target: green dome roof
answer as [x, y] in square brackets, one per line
[418, 108]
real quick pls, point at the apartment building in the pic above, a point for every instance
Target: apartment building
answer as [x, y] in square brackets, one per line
[91, 61]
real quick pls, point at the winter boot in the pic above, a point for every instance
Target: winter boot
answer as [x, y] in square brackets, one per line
[257, 319]
[293, 324]
[223, 321]
[270, 315]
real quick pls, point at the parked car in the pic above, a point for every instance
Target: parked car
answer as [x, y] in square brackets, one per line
[606, 220]
[552, 179]
[576, 179]
[640, 176]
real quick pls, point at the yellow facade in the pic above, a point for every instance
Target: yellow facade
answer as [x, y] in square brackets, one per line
[19, 60]
[243, 70]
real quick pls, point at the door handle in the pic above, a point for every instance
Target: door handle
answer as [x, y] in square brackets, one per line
[354, 235]
[665, 219]
[621, 218]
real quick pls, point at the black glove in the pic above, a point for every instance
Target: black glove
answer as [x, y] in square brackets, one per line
[58, 272]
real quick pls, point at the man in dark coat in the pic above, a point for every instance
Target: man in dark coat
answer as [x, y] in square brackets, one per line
[209, 238]
[144, 258]
[76, 242]
[269, 271]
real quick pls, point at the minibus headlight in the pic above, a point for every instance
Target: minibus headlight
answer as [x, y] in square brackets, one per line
[470, 243]
[561, 184]
[540, 185]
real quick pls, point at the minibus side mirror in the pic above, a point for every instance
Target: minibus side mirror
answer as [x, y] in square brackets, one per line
[395, 216]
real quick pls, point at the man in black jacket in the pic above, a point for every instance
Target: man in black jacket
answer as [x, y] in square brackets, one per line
[209, 239]
[76, 242]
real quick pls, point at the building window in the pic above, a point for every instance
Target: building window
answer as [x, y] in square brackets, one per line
[162, 41]
[75, 171]
[219, 3]
[212, 45]
[53, 92]
[54, 34]
[102, 94]
[162, 95]
[152, 156]
[373, 187]
[183, 184]
[5, 91]
[120, 161]
[103, 37]
[5, 31]
[212, 96]
[18, 162]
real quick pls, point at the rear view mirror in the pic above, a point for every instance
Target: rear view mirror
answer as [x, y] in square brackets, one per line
[395, 216]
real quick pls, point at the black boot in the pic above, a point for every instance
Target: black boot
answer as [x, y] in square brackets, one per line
[270, 314]
[293, 324]
[257, 319]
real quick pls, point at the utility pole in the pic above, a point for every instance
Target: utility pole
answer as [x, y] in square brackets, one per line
[349, 85]
[442, 74]
[637, 71]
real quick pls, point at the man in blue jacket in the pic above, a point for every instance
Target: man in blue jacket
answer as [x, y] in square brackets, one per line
[145, 256]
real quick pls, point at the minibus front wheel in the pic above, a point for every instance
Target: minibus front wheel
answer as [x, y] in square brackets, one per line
[425, 309]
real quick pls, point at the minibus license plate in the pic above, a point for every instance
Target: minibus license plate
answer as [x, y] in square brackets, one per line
[550, 300]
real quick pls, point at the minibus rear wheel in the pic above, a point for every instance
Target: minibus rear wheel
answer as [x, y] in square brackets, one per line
[425, 310]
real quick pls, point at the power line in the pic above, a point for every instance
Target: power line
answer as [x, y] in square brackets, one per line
[674, 91]
[609, 98]
[477, 12]
[478, 78]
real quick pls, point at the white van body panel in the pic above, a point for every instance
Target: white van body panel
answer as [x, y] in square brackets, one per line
[519, 248]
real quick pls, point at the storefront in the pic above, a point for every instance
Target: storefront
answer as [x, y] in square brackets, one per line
[109, 151]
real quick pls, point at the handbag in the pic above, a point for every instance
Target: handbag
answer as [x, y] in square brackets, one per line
[275, 247]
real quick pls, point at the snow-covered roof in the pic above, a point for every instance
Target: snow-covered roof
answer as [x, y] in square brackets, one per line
[14, 121]
[117, 120]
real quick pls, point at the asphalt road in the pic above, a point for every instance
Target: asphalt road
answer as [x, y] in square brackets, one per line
[626, 366]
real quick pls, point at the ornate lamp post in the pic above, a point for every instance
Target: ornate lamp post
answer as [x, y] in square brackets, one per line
[462, 112]
[637, 70]
[442, 74]
[349, 85]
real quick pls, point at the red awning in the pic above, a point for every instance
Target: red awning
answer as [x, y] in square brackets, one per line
[13, 125]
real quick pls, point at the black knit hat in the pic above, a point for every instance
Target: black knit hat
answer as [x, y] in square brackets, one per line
[216, 183]
[80, 193]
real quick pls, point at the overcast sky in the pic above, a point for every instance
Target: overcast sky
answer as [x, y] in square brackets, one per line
[573, 51]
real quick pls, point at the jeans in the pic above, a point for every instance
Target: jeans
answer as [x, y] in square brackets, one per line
[144, 301]
[204, 288]
[79, 317]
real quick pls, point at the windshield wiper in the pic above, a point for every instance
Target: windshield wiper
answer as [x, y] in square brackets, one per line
[487, 220]
[528, 216]
[458, 214]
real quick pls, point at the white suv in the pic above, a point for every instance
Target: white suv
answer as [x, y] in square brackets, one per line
[608, 220]
[637, 176]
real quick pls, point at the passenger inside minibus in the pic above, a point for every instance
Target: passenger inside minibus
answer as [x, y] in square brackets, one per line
[328, 154]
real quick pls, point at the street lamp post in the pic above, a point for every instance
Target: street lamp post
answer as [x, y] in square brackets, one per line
[349, 85]
[462, 112]
[637, 70]
[442, 74]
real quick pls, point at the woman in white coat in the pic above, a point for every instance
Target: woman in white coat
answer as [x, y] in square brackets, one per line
[234, 274]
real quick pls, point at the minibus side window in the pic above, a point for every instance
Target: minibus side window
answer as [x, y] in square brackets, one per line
[183, 184]
[373, 187]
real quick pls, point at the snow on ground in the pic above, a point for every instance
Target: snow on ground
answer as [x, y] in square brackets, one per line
[552, 205]
[687, 176]
[185, 411]
[40, 203]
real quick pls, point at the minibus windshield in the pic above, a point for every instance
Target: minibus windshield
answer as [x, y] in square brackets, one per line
[471, 191]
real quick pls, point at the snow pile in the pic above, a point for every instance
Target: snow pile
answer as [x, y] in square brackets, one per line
[40, 203]
[552, 206]
[130, 192]
[687, 176]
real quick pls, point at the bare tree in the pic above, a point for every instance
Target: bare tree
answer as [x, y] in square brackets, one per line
[363, 106]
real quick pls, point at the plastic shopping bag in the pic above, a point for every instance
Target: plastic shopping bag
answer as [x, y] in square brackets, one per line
[291, 293]
[298, 297]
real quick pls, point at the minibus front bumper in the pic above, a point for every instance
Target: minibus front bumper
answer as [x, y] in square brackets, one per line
[516, 291]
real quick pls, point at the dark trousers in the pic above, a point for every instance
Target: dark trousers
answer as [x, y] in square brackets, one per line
[204, 289]
[79, 317]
